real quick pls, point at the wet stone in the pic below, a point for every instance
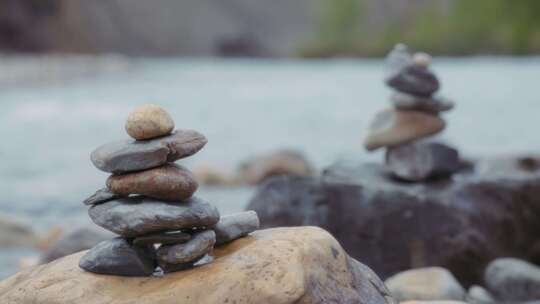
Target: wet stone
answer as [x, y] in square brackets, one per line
[201, 243]
[165, 238]
[233, 226]
[130, 155]
[140, 215]
[118, 257]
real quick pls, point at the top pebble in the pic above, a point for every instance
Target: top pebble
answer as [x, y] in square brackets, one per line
[149, 121]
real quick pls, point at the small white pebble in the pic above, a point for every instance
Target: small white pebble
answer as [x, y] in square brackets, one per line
[422, 59]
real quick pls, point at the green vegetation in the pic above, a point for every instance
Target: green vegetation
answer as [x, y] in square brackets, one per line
[467, 27]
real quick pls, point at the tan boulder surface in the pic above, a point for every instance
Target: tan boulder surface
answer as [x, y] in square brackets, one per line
[282, 265]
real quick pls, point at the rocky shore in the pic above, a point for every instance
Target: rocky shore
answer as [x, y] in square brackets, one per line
[285, 265]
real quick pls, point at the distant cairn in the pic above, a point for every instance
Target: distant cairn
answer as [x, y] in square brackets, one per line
[148, 201]
[405, 129]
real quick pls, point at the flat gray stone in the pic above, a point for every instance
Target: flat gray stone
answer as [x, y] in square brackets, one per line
[201, 243]
[415, 80]
[131, 155]
[233, 226]
[102, 196]
[513, 280]
[140, 215]
[404, 101]
[165, 238]
[118, 257]
[420, 161]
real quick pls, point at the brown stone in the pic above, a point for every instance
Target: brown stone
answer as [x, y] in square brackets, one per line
[395, 127]
[149, 121]
[286, 265]
[169, 182]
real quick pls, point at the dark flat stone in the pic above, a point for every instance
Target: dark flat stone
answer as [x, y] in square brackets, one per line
[233, 226]
[165, 238]
[130, 155]
[118, 257]
[415, 80]
[201, 243]
[102, 196]
[420, 161]
[140, 215]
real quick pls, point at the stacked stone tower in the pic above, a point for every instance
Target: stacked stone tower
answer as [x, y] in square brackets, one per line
[415, 116]
[149, 202]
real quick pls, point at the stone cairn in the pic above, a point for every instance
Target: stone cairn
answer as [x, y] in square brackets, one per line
[414, 116]
[149, 202]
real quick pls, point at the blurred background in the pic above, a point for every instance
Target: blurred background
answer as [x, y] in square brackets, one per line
[253, 76]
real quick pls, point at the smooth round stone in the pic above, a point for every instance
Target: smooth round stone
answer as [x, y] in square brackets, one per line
[201, 243]
[233, 226]
[127, 156]
[422, 59]
[434, 105]
[168, 182]
[140, 215]
[149, 121]
[420, 161]
[165, 238]
[415, 80]
[395, 127]
[118, 257]
[101, 196]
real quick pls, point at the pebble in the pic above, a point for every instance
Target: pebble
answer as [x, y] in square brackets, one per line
[395, 127]
[415, 80]
[479, 295]
[149, 121]
[430, 283]
[513, 280]
[139, 215]
[128, 156]
[433, 105]
[420, 161]
[101, 196]
[165, 238]
[118, 257]
[201, 243]
[422, 59]
[233, 226]
[168, 182]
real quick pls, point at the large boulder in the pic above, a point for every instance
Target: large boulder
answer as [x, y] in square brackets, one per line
[460, 223]
[286, 265]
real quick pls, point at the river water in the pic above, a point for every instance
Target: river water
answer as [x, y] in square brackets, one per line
[55, 111]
